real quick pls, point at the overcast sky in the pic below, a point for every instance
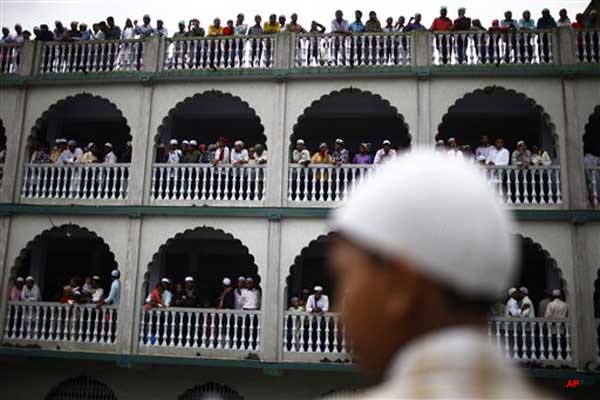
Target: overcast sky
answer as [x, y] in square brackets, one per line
[34, 12]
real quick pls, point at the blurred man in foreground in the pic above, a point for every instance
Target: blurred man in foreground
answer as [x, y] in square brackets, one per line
[430, 276]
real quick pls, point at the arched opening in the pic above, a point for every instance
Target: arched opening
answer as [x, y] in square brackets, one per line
[206, 254]
[597, 296]
[211, 391]
[591, 137]
[84, 118]
[310, 270]
[2, 145]
[58, 254]
[498, 113]
[353, 115]
[81, 388]
[205, 117]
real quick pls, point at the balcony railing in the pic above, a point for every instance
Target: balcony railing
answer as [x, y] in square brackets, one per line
[477, 48]
[592, 178]
[368, 49]
[10, 57]
[51, 324]
[193, 331]
[92, 56]
[318, 184]
[207, 183]
[313, 337]
[316, 337]
[75, 182]
[219, 53]
[588, 42]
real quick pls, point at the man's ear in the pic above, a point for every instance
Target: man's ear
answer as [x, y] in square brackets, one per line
[403, 291]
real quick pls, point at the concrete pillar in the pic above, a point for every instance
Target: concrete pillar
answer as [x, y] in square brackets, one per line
[421, 49]
[5, 265]
[151, 54]
[28, 58]
[276, 139]
[141, 159]
[425, 133]
[565, 46]
[284, 51]
[271, 308]
[16, 154]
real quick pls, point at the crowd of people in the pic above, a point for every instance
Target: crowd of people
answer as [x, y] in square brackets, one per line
[189, 151]
[88, 290]
[485, 153]
[68, 152]
[245, 296]
[109, 30]
[519, 305]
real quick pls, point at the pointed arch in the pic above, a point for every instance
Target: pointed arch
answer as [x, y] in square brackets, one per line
[499, 113]
[211, 391]
[2, 137]
[354, 115]
[591, 135]
[208, 115]
[85, 118]
[81, 388]
[205, 253]
[67, 239]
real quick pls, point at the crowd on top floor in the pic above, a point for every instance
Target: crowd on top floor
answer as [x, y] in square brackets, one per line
[109, 30]
[68, 152]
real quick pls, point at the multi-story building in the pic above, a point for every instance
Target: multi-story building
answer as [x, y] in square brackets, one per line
[152, 219]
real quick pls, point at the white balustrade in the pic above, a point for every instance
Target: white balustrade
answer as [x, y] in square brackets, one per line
[76, 181]
[45, 322]
[532, 340]
[537, 186]
[314, 333]
[592, 179]
[477, 48]
[91, 56]
[225, 52]
[200, 328]
[588, 42]
[204, 182]
[10, 58]
[368, 49]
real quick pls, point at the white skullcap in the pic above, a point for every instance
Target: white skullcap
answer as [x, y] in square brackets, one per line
[241, 278]
[108, 144]
[115, 273]
[165, 280]
[451, 140]
[299, 141]
[188, 279]
[226, 281]
[72, 142]
[193, 143]
[511, 291]
[339, 141]
[440, 142]
[524, 290]
[95, 278]
[387, 142]
[20, 279]
[29, 278]
[322, 145]
[173, 141]
[556, 293]
[185, 142]
[520, 142]
[476, 256]
[249, 280]
[238, 143]
[90, 144]
[318, 289]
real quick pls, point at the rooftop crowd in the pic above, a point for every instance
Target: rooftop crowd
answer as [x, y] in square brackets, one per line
[109, 30]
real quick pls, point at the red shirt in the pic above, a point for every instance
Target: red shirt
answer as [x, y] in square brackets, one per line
[441, 24]
[227, 31]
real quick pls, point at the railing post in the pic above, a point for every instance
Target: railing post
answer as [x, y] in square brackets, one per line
[151, 54]
[283, 46]
[565, 46]
[422, 49]
[28, 58]
[272, 306]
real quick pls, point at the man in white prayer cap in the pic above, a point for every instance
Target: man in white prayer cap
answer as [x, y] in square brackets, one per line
[385, 153]
[251, 297]
[557, 308]
[239, 292]
[418, 280]
[167, 294]
[109, 155]
[528, 310]
[226, 299]
[191, 297]
[301, 155]
[114, 295]
[175, 154]
[71, 155]
[31, 291]
[239, 155]
[514, 305]
[317, 302]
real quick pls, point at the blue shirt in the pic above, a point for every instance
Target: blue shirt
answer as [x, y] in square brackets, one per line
[114, 296]
[357, 26]
[546, 23]
[529, 24]
[414, 26]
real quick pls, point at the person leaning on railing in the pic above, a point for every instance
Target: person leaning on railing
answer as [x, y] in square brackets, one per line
[540, 157]
[521, 157]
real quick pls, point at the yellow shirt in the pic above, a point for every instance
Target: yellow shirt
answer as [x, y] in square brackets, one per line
[88, 158]
[55, 155]
[214, 31]
[268, 28]
[317, 158]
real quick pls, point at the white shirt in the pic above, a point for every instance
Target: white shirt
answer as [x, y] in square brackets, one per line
[110, 158]
[484, 152]
[529, 312]
[241, 156]
[556, 309]
[591, 161]
[322, 303]
[70, 157]
[455, 153]
[225, 151]
[238, 298]
[301, 157]
[251, 299]
[32, 294]
[498, 157]
[174, 156]
[380, 156]
[167, 297]
[512, 308]
[114, 296]
[97, 294]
